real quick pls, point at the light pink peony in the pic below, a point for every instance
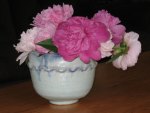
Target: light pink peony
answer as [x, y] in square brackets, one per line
[129, 59]
[47, 32]
[80, 37]
[54, 15]
[112, 24]
[106, 48]
[26, 43]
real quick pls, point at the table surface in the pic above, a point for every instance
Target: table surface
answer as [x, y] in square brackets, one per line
[114, 91]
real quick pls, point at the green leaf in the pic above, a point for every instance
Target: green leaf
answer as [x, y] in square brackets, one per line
[48, 44]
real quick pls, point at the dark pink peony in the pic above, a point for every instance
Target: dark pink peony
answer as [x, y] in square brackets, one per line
[80, 37]
[112, 24]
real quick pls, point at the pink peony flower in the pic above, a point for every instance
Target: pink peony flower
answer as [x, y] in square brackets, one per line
[112, 24]
[54, 15]
[44, 33]
[80, 37]
[134, 46]
[106, 48]
[26, 43]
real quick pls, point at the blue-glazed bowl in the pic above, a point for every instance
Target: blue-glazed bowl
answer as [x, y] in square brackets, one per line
[59, 81]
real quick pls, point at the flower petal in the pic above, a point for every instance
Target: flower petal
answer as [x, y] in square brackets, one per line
[22, 57]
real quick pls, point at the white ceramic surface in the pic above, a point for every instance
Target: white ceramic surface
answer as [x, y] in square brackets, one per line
[59, 81]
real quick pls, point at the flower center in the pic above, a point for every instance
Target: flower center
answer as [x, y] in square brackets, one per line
[121, 49]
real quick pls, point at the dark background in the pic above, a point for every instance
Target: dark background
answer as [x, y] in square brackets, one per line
[17, 15]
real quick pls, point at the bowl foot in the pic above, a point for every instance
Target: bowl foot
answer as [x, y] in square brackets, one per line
[63, 102]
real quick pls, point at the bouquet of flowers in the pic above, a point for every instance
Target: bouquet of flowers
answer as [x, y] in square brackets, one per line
[56, 30]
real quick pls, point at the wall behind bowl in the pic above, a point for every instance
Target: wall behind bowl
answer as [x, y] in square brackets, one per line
[17, 15]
